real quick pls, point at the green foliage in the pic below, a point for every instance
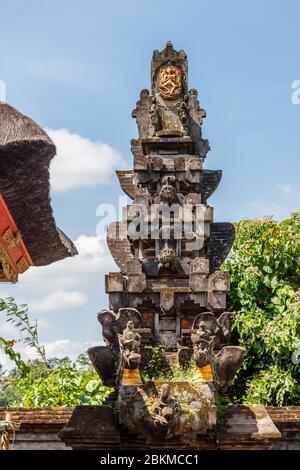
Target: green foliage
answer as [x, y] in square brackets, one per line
[7, 348]
[158, 369]
[265, 289]
[180, 374]
[223, 406]
[18, 316]
[61, 386]
[44, 382]
[273, 386]
[155, 364]
[264, 266]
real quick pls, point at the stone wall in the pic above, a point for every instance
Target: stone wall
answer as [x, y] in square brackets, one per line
[287, 421]
[40, 428]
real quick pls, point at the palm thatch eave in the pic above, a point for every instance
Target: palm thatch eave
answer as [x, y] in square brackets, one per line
[25, 155]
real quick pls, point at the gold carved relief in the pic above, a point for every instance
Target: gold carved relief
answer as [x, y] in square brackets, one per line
[7, 273]
[170, 82]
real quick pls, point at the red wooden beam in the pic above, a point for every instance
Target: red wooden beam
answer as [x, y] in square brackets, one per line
[12, 246]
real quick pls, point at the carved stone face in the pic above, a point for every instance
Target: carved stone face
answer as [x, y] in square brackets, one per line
[167, 255]
[130, 325]
[165, 391]
[167, 194]
[169, 82]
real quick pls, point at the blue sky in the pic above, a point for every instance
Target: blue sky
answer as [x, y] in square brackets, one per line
[80, 66]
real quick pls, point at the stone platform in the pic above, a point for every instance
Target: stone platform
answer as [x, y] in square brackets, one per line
[43, 428]
[95, 427]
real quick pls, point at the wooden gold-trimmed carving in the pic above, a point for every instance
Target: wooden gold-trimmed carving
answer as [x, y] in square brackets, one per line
[9, 239]
[14, 257]
[8, 272]
[22, 265]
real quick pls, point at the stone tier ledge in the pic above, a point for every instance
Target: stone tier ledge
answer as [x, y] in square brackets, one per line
[40, 428]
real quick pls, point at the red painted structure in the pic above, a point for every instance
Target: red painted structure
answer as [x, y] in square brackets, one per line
[14, 256]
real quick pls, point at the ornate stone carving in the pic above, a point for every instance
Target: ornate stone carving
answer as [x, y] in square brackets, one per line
[122, 345]
[203, 345]
[130, 342]
[155, 117]
[167, 259]
[164, 409]
[169, 117]
[211, 329]
[170, 82]
[211, 356]
[168, 194]
[168, 268]
[184, 116]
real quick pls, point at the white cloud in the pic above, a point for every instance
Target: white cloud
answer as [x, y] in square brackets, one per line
[90, 265]
[80, 162]
[66, 347]
[61, 285]
[7, 329]
[58, 300]
[2, 91]
[285, 188]
[281, 206]
[264, 208]
[43, 324]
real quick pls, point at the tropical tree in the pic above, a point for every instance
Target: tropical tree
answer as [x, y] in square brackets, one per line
[43, 381]
[264, 266]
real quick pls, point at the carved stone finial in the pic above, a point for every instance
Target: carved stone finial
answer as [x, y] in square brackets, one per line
[169, 52]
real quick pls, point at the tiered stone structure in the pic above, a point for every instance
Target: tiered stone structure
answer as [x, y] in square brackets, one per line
[170, 289]
[169, 278]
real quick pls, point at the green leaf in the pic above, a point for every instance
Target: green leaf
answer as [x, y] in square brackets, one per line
[92, 385]
[267, 269]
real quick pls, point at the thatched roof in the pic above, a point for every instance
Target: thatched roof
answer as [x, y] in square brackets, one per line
[25, 155]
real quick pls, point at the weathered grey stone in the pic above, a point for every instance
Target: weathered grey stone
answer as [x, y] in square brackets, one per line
[170, 287]
[96, 427]
[114, 282]
[136, 282]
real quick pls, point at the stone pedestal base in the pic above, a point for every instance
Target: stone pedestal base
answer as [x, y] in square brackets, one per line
[96, 428]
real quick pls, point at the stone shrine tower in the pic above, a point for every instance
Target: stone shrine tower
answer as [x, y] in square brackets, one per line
[168, 273]
[167, 302]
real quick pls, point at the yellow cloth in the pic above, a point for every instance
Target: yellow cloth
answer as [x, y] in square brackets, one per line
[203, 374]
[131, 377]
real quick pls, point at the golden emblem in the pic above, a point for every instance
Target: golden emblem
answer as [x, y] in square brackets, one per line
[169, 82]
